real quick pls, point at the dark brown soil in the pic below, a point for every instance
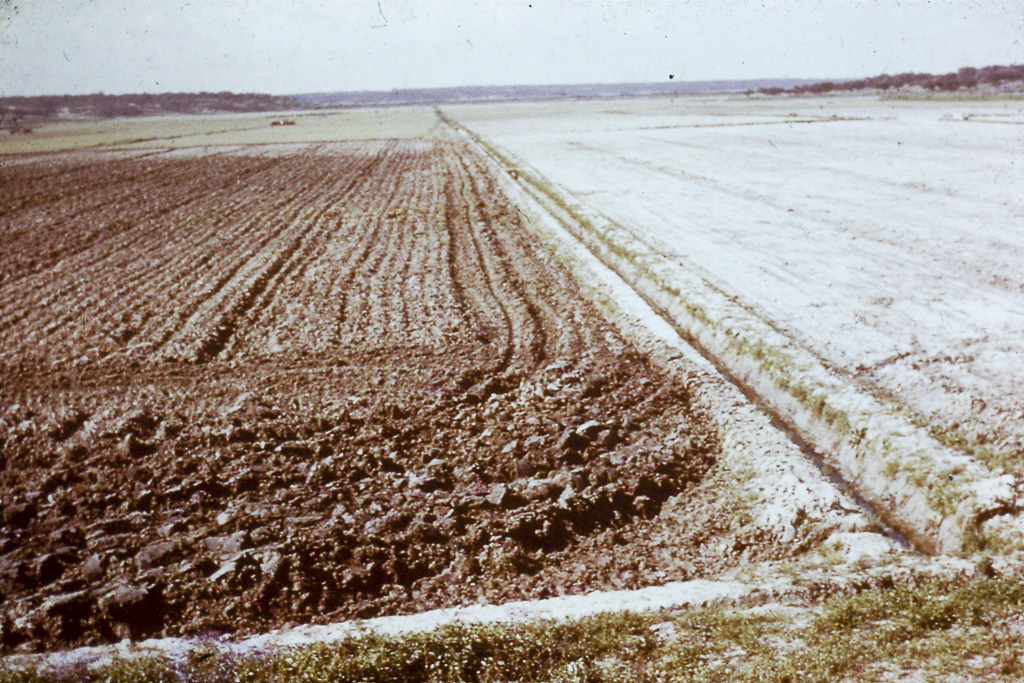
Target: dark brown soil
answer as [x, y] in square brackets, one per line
[244, 391]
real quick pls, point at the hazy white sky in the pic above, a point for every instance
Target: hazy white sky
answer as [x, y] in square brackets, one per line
[293, 46]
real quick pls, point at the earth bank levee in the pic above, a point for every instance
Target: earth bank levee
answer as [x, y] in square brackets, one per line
[245, 390]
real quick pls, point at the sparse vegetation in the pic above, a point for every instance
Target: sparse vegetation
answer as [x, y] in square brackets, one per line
[929, 626]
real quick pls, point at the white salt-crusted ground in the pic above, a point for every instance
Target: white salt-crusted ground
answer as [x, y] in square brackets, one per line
[885, 237]
[780, 487]
[834, 296]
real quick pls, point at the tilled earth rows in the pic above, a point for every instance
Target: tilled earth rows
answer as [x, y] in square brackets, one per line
[245, 390]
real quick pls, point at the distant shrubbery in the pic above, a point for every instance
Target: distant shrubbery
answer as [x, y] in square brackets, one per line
[110, 106]
[966, 78]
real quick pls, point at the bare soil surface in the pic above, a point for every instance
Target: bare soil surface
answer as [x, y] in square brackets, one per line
[247, 390]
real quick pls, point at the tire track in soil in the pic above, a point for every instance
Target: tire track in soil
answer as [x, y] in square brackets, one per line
[574, 334]
[451, 254]
[488, 310]
[483, 264]
[528, 327]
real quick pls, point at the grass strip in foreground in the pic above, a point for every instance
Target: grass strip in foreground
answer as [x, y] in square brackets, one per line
[972, 629]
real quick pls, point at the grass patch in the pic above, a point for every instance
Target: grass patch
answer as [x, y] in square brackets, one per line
[1007, 460]
[934, 626]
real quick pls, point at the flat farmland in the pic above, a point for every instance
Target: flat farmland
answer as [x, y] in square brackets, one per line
[854, 261]
[189, 132]
[262, 383]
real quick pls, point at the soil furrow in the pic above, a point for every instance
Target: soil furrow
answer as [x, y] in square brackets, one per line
[307, 243]
[199, 323]
[486, 286]
[352, 288]
[109, 218]
[527, 337]
[185, 280]
[80, 268]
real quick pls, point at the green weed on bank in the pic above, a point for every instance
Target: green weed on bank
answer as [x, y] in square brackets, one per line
[937, 627]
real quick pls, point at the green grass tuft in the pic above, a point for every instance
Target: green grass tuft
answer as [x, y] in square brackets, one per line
[931, 626]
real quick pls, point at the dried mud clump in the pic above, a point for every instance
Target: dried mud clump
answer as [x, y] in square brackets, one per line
[327, 384]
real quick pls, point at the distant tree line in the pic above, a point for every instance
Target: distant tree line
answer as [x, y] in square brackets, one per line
[966, 78]
[41, 108]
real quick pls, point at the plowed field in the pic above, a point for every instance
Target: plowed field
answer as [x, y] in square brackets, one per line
[251, 387]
